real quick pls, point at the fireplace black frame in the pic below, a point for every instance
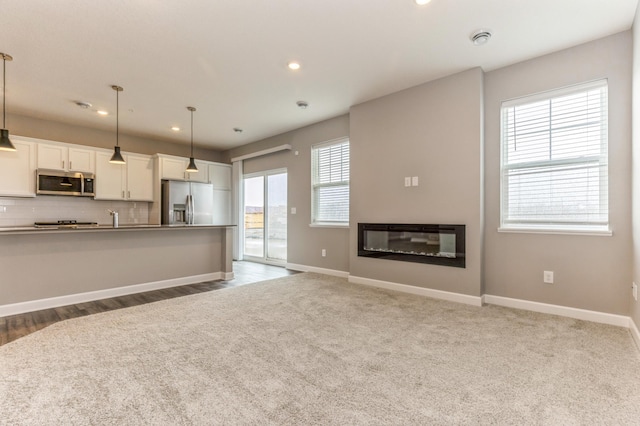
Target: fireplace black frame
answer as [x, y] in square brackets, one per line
[459, 261]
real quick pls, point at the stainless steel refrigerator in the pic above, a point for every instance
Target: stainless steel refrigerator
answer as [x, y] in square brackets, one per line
[187, 203]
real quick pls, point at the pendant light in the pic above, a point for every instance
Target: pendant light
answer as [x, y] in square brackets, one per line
[191, 168]
[5, 143]
[117, 158]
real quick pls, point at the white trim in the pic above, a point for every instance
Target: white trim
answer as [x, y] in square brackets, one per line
[558, 231]
[71, 299]
[420, 291]
[263, 152]
[556, 93]
[226, 276]
[305, 268]
[564, 311]
[635, 333]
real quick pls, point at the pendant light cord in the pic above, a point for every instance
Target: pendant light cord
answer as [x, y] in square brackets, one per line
[4, 95]
[191, 133]
[117, 117]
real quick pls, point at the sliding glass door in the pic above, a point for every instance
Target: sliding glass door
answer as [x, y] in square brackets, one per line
[265, 216]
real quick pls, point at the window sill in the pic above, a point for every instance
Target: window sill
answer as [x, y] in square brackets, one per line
[329, 225]
[558, 231]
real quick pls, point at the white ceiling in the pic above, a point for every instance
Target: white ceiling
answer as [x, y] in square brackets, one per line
[228, 58]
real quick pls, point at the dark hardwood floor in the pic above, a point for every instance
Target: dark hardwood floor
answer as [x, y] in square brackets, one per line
[15, 326]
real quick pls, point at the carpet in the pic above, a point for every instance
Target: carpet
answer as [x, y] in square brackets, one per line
[312, 349]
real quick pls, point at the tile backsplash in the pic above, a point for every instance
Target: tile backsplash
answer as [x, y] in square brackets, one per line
[51, 208]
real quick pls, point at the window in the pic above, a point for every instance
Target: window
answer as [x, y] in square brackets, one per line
[554, 160]
[330, 183]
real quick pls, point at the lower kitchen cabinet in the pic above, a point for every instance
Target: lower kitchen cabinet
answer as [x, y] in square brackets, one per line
[131, 181]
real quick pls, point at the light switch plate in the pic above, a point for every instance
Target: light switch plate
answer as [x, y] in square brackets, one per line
[414, 181]
[293, 210]
[407, 181]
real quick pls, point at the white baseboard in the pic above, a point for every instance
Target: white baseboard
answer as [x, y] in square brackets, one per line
[421, 291]
[635, 333]
[305, 268]
[71, 299]
[564, 311]
[227, 275]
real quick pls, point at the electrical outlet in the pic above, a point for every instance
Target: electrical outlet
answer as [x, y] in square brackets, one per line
[324, 253]
[634, 286]
[548, 277]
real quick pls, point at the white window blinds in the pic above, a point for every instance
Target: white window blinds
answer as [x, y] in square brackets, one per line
[554, 160]
[330, 183]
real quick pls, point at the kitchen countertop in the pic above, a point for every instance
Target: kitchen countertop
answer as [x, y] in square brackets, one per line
[14, 230]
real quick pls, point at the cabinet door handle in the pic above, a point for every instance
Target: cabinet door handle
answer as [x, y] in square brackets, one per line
[63, 164]
[128, 194]
[122, 194]
[70, 165]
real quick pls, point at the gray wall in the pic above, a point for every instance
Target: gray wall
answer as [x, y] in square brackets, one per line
[591, 272]
[305, 242]
[634, 307]
[433, 131]
[38, 266]
[62, 132]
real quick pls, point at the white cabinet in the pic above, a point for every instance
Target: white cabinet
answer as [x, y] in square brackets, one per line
[202, 175]
[139, 177]
[175, 168]
[17, 170]
[220, 176]
[60, 157]
[131, 181]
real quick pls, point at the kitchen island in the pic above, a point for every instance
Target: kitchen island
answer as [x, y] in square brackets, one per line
[44, 268]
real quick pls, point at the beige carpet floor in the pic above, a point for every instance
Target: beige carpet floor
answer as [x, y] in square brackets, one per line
[312, 349]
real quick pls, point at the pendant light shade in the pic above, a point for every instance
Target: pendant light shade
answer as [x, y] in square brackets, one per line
[5, 142]
[191, 168]
[117, 158]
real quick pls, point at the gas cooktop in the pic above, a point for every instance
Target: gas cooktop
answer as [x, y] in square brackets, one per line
[65, 224]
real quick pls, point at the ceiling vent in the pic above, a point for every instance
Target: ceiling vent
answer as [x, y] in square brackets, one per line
[480, 37]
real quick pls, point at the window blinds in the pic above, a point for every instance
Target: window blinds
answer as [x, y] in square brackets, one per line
[554, 159]
[330, 181]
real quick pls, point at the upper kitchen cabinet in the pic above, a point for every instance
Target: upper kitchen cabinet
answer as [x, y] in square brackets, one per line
[175, 168]
[139, 177]
[61, 157]
[17, 170]
[132, 181]
[220, 176]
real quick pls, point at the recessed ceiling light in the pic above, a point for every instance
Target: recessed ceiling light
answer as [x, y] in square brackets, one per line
[422, 2]
[175, 128]
[102, 112]
[480, 37]
[302, 104]
[293, 66]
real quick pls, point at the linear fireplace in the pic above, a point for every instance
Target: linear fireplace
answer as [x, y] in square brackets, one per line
[437, 244]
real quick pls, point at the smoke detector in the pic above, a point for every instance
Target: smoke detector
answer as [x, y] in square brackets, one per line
[480, 37]
[302, 104]
[83, 104]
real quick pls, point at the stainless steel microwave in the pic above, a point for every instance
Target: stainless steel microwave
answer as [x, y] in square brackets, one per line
[57, 182]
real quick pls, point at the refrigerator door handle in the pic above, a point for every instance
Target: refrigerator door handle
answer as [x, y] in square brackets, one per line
[189, 210]
[193, 210]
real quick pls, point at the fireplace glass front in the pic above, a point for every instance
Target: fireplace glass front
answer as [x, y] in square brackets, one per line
[437, 244]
